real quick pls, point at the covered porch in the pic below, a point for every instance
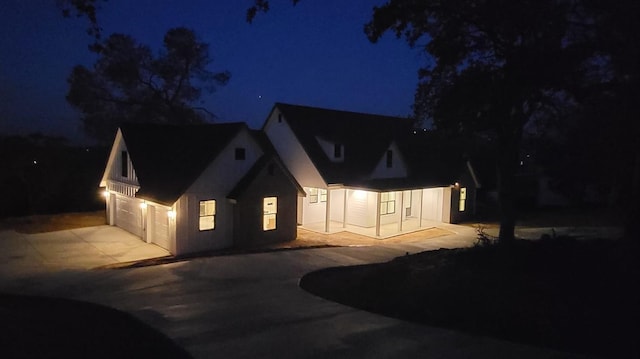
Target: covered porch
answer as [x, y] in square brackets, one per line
[373, 213]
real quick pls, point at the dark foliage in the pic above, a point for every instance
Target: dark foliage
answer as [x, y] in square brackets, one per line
[41, 174]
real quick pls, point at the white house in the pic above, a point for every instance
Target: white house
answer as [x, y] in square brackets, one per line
[354, 170]
[195, 188]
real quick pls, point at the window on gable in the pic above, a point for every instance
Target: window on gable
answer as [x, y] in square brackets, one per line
[279, 117]
[240, 154]
[337, 150]
[124, 164]
[270, 210]
[207, 215]
[389, 158]
[388, 203]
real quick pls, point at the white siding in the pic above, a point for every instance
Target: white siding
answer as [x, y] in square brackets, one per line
[292, 153]
[113, 171]
[128, 215]
[432, 204]
[398, 168]
[158, 226]
[362, 208]
[337, 205]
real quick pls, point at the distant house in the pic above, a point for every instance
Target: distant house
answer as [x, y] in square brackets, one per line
[359, 173]
[195, 188]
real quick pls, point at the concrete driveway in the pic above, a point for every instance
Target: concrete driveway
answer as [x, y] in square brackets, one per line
[81, 248]
[248, 306]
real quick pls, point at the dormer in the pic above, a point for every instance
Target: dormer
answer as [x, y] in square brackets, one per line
[391, 164]
[333, 150]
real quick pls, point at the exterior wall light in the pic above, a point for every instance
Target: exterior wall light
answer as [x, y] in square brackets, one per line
[171, 214]
[143, 205]
[105, 193]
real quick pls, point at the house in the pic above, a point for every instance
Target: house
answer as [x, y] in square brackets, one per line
[358, 174]
[194, 188]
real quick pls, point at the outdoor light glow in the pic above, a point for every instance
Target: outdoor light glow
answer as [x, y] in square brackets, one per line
[105, 193]
[171, 214]
[143, 205]
[359, 194]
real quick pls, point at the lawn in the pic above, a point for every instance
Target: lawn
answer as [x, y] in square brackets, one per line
[41, 327]
[53, 222]
[561, 293]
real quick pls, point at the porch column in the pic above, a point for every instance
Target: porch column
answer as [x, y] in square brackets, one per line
[401, 206]
[344, 213]
[378, 198]
[421, 205]
[327, 212]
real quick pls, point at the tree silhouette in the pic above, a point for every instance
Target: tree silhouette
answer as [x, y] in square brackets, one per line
[129, 84]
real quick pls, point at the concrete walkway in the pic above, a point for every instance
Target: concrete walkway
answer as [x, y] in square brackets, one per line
[248, 306]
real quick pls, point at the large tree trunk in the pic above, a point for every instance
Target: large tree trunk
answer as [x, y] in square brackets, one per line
[507, 164]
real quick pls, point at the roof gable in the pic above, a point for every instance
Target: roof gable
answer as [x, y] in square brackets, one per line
[169, 158]
[363, 138]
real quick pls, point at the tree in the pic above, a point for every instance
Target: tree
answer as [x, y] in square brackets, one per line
[88, 8]
[129, 84]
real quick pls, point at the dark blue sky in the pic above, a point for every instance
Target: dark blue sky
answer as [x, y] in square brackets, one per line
[313, 54]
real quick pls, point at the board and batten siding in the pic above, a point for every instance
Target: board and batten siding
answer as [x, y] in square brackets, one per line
[215, 182]
[291, 151]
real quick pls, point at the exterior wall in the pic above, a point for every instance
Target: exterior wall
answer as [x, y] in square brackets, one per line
[337, 204]
[432, 204]
[248, 211]
[398, 168]
[329, 148]
[217, 180]
[113, 170]
[361, 208]
[312, 212]
[291, 152]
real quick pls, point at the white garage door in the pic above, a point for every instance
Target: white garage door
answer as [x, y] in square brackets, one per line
[129, 214]
[432, 204]
[158, 225]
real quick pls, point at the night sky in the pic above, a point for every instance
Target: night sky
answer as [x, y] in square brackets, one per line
[315, 54]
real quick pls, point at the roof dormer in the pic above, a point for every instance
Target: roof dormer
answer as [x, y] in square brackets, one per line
[333, 150]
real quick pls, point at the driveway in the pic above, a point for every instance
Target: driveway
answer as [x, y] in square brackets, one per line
[247, 306]
[81, 248]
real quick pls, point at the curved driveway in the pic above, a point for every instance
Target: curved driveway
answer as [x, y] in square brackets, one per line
[250, 306]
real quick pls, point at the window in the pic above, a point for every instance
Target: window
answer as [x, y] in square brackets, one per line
[388, 203]
[271, 169]
[240, 154]
[124, 164]
[337, 150]
[279, 117]
[389, 159]
[269, 209]
[463, 198]
[317, 195]
[207, 215]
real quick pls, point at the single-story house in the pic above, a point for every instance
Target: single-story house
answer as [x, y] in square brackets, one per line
[194, 188]
[357, 176]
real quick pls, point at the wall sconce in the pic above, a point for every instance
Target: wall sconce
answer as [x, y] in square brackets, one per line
[143, 205]
[105, 193]
[171, 214]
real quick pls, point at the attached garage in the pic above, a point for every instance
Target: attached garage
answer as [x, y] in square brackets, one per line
[128, 214]
[158, 226]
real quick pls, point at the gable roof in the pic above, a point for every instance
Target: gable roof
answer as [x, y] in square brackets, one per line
[365, 138]
[169, 158]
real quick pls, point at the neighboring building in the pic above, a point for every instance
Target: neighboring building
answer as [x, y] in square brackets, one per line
[357, 177]
[195, 188]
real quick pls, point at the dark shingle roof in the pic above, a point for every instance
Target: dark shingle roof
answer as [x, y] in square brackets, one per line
[365, 138]
[168, 159]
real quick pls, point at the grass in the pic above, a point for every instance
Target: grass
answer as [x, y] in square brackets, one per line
[41, 327]
[576, 296]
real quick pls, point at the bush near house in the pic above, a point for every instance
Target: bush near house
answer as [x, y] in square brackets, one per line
[562, 293]
[42, 174]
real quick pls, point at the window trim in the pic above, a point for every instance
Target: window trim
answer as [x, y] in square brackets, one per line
[268, 214]
[389, 202]
[389, 158]
[212, 215]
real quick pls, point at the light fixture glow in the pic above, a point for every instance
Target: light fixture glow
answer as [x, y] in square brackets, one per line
[105, 193]
[360, 194]
[143, 205]
[171, 214]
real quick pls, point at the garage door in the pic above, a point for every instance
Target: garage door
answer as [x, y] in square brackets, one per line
[432, 204]
[158, 225]
[129, 214]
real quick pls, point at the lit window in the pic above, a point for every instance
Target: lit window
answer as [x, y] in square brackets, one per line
[240, 153]
[389, 159]
[207, 215]
[270, 210]
[388, 203]
[463, 198]
[124, 164]
[317, 195]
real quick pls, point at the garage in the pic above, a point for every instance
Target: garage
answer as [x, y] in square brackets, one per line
[158, 225]
[129, 214]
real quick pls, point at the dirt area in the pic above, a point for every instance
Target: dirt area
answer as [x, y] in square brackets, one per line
[307, 238]
[53, 222]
